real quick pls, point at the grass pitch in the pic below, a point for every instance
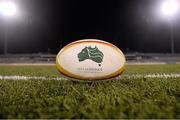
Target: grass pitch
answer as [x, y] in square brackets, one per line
[123, 98]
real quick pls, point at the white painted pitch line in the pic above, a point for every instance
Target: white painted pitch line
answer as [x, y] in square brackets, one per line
[27, 64]
[146, 63]
[53, 64]
[16, 77]
[152, 76]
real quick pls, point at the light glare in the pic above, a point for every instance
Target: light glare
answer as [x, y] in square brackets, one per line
[7, 8]
[170, 7]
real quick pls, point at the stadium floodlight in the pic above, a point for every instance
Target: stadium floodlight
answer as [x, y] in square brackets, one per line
[8, 8]
[170, 7]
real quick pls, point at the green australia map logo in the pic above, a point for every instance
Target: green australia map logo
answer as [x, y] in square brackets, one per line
[93, 54]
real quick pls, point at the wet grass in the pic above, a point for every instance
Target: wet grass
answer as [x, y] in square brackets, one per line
[124, 98]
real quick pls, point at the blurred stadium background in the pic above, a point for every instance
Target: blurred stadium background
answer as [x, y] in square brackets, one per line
[34, 31]
[132, 58]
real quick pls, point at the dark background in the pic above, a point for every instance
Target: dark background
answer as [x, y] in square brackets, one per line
[43, 26]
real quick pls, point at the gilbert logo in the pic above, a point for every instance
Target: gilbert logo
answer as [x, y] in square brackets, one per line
[93, 54]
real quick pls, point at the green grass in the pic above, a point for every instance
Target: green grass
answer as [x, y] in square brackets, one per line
[124, 98]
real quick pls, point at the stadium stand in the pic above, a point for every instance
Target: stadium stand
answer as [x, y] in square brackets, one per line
[131, 58]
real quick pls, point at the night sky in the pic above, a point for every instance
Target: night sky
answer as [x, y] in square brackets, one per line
[43, 26]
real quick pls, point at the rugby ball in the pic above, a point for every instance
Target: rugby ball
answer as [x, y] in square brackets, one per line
[90, 60]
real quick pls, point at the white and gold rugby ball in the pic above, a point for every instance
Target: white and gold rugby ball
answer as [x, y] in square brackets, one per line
[90, 60]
